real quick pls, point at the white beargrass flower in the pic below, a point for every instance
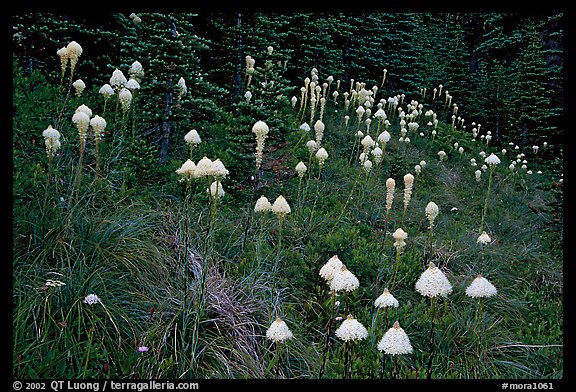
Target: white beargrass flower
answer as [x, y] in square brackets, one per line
[74, 51]
[408, 183]
[390, 185]
[351, 329]
[204, 167]
[107, 91]
[386, 300]
[64, 57]
[82, 121]
[484, 167]
[51, 140]
[395, 341]
[484, 238]
[481, 288]
[441, 155]
[79, 86]
[136, 71]
[85, 109]
[117, 80]
[260, 129]
[399, 236]
[301, 169]
[305, 127]
[279, 331]
[367, 165]
[344, 280]
[262, 205]
[418, 169]
[422, 163]
[187, 170]
[321, 155]
[216, 190]
[461, 150]
[192, 137]
[132, 84]
[332, 266]
[218, 169]
[182, 89]
[91, 299]
[319, 129]
[125, 97]
[280, 207]
[311, 145]
[293, 101]
[377, 153]
[492, 160]
[367, 142]
[98, 125]
[478, 174]
[433, 283]
[431, 212]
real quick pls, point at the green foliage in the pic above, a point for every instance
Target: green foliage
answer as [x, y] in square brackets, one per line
[199, 281]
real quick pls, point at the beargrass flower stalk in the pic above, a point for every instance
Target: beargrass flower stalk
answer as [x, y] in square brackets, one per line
[301, 170]
[79, 86]
[192, 138]
[248, 97]
[349, 331]
[492, 161]
[322, 106]
[182, 88]
[319, 129]
[64, 59]
[136, 71]
[281, 208]
[98, 125]
[433, 283]
[408, 183]
[383, 77]
[327, 272]
[262, 207]
[74, 52]
[480, 288]
[107, 91]
[279, 333]
[390, 186]
[293, 101]
[394, 342]
[260, 129]
[385, 301]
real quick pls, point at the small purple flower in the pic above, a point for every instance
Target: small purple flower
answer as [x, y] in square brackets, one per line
[142, 349]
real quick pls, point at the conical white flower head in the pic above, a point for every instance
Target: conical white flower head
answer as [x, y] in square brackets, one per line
[182, 87]
[279, 331]
[367, 165]
[492, 160]
[51, 133]
[132, 84]
[484, 238]
[390, 186]
[125, 97]
[386, 300]
[98, 125]
[106, 90]
[85, 109]
[136, 70]
[79, 86]
[367, 141]
[481, 288]
[74, 51]
[321, 155]
[431, 212]
[380, 114]
[188, 169]
[417, 169]
[329, 269]
[395, 341]
[218, 169]
[305, 127]
[82, 121]
[301, 168]
[399, 236]
[319, 126]
[117, 79]
[478, 174]
[351, 329]
[260, 128]
[344, 280]
[311, 145]
[433, 282]
[192, 137]
[281, 207]
[204, 167]
[216, 192]
[248, 96]
[384, 137]
[262, 205]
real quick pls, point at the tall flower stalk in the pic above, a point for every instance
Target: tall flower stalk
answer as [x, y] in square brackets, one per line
[492, 161]
[433, 283]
